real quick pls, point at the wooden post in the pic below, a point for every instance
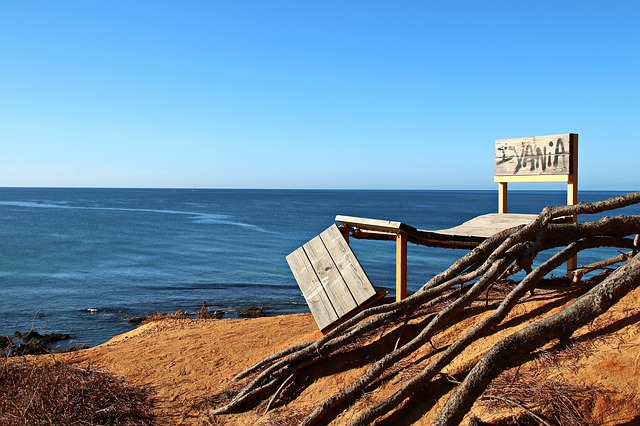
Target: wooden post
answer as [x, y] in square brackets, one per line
[572, 182]
[572, 198]
[572, 191]
[401, 266]
[345, 233]
[503, 199]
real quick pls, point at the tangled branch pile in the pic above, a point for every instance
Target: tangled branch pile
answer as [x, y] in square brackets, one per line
[58, 393]
[447, 299]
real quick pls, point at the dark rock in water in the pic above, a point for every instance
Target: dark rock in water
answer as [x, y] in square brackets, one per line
[31, 343]
[5, 342]
[252, 312]
[136, 320]
[214, 314]
[35, 338]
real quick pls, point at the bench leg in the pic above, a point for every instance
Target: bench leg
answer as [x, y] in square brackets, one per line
[572, 199]
[401, 266]
[503, 197]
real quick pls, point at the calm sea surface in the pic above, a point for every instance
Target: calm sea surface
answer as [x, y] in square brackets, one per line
[86, 261]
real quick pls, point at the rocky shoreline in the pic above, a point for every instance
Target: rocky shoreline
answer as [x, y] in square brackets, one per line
[35, 343]
[32, 343]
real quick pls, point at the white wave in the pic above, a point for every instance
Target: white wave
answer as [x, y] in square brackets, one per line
[32, 204]
[198, 217]
[207, 219]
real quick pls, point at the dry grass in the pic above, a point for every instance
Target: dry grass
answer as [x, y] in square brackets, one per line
[291, 417]
[561, 403]
[58, 393]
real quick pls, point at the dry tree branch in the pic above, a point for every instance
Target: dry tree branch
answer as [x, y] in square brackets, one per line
[482, 329]
[496, 258]
[593, 303]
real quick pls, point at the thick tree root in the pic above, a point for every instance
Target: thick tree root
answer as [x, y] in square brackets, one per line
[585, 309]
[452, 292]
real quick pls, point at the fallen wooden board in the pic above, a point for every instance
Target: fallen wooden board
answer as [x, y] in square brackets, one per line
[330, 277]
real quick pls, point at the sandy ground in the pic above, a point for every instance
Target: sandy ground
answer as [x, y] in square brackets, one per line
[188, 361]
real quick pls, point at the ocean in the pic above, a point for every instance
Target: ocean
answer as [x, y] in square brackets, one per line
[87, 261]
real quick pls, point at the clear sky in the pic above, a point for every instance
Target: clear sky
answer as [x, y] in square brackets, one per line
[312, 94]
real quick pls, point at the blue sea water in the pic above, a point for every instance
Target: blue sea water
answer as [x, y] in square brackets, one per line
[86, 261]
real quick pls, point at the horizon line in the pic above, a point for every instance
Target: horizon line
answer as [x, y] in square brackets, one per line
[196, 188]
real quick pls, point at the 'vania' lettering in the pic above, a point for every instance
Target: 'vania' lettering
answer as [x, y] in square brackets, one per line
[535, 157]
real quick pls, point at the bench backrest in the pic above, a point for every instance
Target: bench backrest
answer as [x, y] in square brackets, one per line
[552, 158]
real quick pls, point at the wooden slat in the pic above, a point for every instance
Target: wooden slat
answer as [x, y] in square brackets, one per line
[487, 225]
[354, 276]
[532, 178]
[534, 155]
[375, 224]
[331, 279]
[311, 288]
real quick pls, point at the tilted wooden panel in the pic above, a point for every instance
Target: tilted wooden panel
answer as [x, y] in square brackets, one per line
[312, 289]
[354, 276]
[534, 156]
[329, 276]
[331, 279]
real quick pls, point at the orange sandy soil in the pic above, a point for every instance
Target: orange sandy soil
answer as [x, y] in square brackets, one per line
[188, 361]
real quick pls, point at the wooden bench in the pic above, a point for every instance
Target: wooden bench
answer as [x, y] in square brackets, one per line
[465, 236]
[335, 285]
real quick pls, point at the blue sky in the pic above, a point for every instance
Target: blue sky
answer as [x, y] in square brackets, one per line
[312, 94]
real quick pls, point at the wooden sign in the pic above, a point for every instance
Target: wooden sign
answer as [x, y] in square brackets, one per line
[534, 155]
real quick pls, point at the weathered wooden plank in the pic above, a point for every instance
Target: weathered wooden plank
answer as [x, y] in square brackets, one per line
[534, 155]
[532, 178]
[354, 276]
[375, 224]
[486, 225]
[331, 279]
[312, 289]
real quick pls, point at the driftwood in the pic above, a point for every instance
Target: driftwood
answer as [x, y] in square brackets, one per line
[452, 292]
